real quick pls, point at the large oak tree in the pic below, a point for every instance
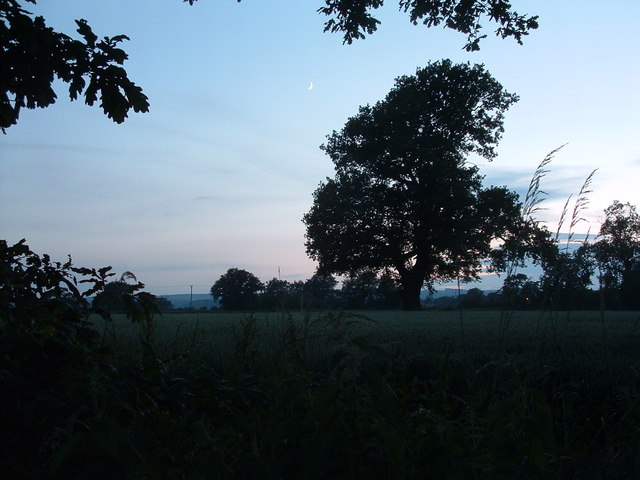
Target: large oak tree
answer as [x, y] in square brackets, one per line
[404, 197]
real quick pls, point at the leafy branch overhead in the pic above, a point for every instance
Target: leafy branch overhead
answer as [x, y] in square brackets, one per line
[353, 18]
[33, 55]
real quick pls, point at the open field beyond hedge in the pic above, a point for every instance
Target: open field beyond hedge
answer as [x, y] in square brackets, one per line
[477, 336]
[378, 394]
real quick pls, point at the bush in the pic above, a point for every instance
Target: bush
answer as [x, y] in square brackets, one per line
[51, 362]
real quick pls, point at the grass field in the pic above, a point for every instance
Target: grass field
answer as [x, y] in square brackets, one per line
[376, 394]
[478, 336]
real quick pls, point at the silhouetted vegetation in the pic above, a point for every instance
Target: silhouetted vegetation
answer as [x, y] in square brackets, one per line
[34, 55]
[616, 255]
[53, 375]
[368, 290]
[353, 17]
[237, 289]
[404, 199]
[566, 283]
[335, 395]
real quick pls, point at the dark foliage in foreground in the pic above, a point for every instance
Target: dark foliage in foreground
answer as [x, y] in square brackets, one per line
[322, 403]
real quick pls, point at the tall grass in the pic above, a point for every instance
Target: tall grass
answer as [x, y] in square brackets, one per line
[551, 263]
[403, 394]
[534, 198]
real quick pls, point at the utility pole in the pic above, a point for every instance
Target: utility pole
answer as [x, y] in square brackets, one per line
[191, 299]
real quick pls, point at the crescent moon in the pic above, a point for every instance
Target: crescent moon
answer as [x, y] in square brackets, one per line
[310, 86]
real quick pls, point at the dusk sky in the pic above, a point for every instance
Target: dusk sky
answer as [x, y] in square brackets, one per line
[221, 170]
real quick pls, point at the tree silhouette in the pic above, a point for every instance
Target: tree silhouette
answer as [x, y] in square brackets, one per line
[519, 291]
[474, 298]
[280, 294]
[236, 290]
[617, 253]
[319, 291]
[359, 290]
[403, 197]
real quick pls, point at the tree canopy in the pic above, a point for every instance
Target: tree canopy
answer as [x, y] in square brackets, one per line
[237, 289]
[617, 254]
[319, 291]
[403, 197]
[367, 289]
[353, 18]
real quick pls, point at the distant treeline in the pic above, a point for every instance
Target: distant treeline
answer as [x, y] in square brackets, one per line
[241, 290]
[531, 298]
[367, 291]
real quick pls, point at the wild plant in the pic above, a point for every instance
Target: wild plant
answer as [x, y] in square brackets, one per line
[532, 232]
[564, 271]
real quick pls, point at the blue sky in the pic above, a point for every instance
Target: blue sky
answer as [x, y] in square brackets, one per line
[221, 170]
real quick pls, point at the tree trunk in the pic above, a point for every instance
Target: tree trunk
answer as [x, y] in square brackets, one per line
[410, 293]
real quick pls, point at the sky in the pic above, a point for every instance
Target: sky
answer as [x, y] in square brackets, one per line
[221, 170]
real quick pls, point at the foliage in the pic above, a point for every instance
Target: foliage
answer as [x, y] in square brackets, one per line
[367, 289]
[474, 298]
[34, 55]
[359, 289]
[617, 254]
[520, 292]
[50, 357]
[320, 399]
[403, 198]
[567, 271]
[354, 20]
[387, 294]
[164, 304]
[566, 276]
[237, 289]
[275, 294]
[533, 242]
[282, 295]
[319, 292]
[325, 398]
[124, 297]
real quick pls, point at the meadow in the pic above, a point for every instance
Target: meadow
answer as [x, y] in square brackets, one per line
[393, 394]
[326, 395]
[578, 339]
